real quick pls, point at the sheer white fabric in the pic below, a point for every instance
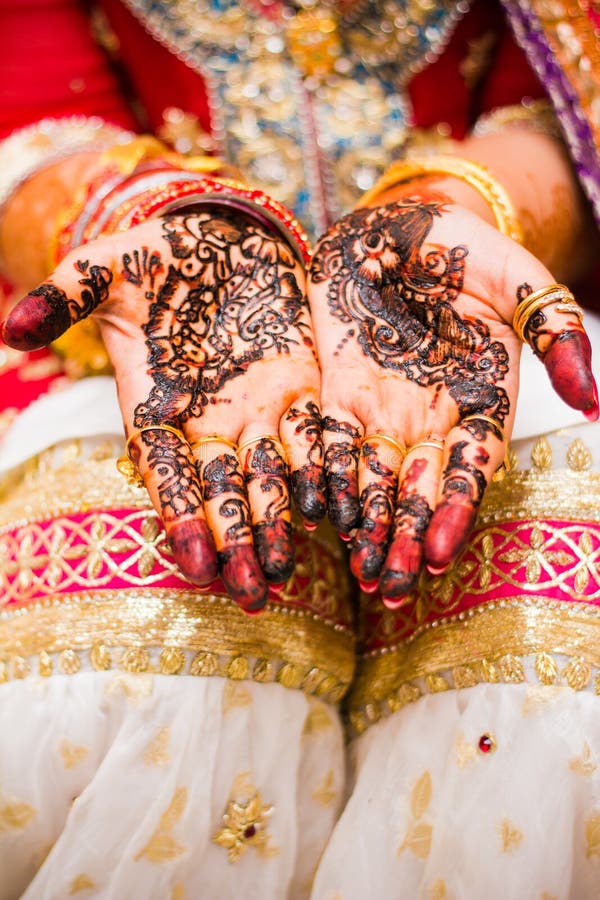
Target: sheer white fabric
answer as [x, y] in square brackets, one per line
[432, 817]
[116, 785]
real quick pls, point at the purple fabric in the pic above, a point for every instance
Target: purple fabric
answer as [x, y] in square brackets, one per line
[577, 130]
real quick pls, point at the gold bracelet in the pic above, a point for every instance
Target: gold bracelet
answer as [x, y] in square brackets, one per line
[474, 174]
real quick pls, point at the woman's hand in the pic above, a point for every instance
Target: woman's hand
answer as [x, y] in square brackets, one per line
[206, 322]
[412, 304]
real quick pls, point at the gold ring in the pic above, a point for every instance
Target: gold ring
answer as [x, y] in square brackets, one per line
[436, 443]
[126, 466]
[262, 437]
[482, 418]
[537, 300]
[386, 439]
[213, 439]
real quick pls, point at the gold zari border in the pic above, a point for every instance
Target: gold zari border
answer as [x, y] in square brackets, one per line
[485, 645]
[557, 493]
[187, 633]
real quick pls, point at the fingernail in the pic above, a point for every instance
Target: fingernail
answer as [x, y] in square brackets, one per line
[433, 570]
[38, 319]
[345, 537]
[194, 551]
[395, 602]
[243, 577]
[310, 526]
[592, 414]
[369, 587]
[278, 587]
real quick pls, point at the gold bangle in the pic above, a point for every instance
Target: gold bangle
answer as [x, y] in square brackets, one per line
[474, 174]
[546, 296]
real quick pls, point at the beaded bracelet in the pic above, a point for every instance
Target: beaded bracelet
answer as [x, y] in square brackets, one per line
[474, 174]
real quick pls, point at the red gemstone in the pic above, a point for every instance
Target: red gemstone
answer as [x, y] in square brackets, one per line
[486, 743]
[250, 831]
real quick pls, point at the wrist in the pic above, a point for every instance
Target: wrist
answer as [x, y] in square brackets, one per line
[446, 189]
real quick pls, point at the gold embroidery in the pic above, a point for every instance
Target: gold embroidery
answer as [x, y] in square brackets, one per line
[135, 688]
[541, 455]
[178, 892]
[579, 457]
[245, 825]
[592, 836]
[162, 846]
[546, 896]
[317, 720]
[493, 634]
[72, 754]
[157, 751]
[545, 668]
[529, 494]
[418, 836]
[235, 696]
[583, 764]
[538, 696]
[207, 625]
[81, 883]
[326, 793]
[510, 835]
[465, 751]
[16, 816]
[438, 891]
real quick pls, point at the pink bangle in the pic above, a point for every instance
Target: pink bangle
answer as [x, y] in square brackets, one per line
[224, 192]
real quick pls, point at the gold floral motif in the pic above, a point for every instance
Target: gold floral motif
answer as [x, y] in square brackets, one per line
[584, 763]
[16, 816]
[245, 826]
[418, 836]
[577, 673]
[45, 664]
[510, 836]
[549, 494]
[171, 661]
[541, 455]
[178, 892]
[326, 792]
[157, 751]
[495, 639]
[135, 688]
[100, 657]
[545, 668]
[70, 662]
[592, 836]
[579, 457]
[162, 846]
[81, 882]
[72, 754]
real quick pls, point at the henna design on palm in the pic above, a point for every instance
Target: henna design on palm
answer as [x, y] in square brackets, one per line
[400, 302]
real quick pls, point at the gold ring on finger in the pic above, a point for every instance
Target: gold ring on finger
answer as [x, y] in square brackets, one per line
[546, 296]
[386, 439]
[493, 422]
[262, 437]
[125, 464]
[436, 443]
[212, 439]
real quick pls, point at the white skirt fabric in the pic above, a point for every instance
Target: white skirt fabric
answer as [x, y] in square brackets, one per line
[119, 786]
[432, 817]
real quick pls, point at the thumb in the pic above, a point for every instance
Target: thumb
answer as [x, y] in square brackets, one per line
[74, 290]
